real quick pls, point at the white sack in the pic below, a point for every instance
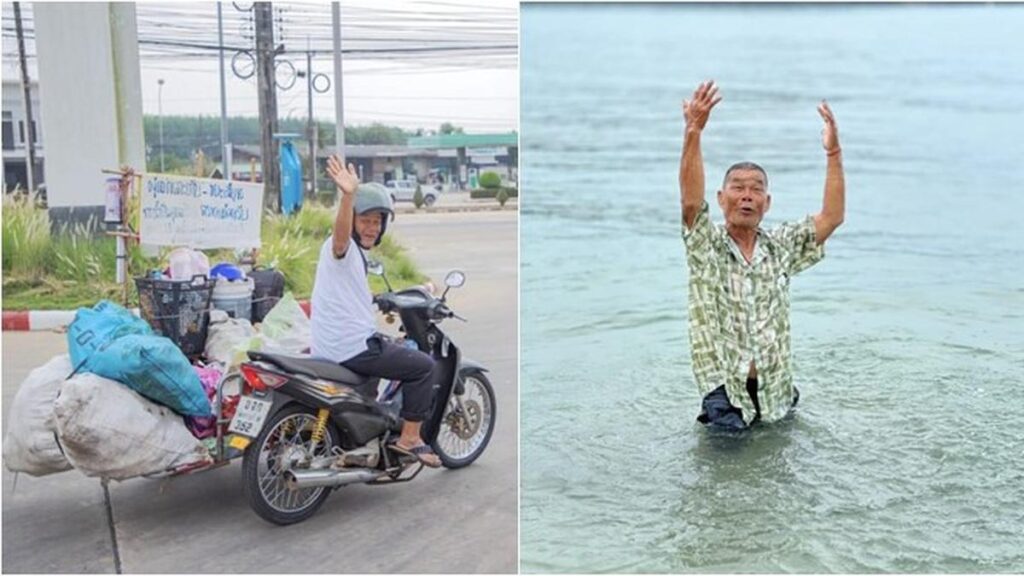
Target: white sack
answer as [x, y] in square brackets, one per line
[287, 327]
[110, 431]
[224, 339]
[31, 443]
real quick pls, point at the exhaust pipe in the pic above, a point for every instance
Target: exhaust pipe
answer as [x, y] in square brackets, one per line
[299, 479]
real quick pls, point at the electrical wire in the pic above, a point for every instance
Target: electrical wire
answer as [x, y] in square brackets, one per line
[415, 38]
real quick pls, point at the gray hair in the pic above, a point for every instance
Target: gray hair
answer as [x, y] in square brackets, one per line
[744, 166]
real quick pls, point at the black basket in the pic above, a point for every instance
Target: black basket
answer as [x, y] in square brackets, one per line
[268, 288]
[178, 309]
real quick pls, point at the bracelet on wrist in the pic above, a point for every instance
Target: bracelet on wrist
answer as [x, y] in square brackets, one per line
[833, 152]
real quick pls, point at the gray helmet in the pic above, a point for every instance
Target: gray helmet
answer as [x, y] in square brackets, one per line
[372, 197]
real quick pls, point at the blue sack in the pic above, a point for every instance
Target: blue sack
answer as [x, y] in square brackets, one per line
[95, 327]
[156, 368]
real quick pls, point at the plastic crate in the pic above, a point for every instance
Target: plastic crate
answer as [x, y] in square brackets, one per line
[178, 309]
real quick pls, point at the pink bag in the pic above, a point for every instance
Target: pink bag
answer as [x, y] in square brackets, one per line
[205, 426]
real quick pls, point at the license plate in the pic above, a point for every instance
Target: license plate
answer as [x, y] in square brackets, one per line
[249, 416]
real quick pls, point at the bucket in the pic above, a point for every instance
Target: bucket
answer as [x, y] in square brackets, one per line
[235, 297]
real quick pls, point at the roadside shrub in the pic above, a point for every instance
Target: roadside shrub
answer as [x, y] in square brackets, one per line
[490, 181]
[77, 268]
[400, 270]
[295, 255]
[26, 236]
[417, 198]
[327, 198]
[481, 193]
[81, 256]
[502, 197]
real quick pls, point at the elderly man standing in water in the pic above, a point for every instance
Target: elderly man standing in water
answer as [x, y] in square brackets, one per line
[739, 276]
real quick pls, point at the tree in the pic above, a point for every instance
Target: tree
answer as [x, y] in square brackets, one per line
[185, 134]
[490, 180]
[417, 198]
[449, 128]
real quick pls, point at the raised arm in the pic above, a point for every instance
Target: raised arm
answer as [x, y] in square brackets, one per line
[691, 162]
[347, 182]
[833, 207]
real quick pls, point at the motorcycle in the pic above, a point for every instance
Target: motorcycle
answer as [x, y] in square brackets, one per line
[309, 426]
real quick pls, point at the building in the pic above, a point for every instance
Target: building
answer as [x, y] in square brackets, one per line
[15, 137]
[453, 159]
[463, 157]
[373, 162]
[381, 162]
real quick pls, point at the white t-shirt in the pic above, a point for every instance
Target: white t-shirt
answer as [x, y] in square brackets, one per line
[343, 314]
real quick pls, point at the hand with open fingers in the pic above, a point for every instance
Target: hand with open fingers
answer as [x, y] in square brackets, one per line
[697, 109]
[830, 133]
[346, 179]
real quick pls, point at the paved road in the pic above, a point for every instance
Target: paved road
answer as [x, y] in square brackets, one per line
[444, 521]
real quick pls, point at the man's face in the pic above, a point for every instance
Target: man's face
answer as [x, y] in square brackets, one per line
[367, 227]
[744, 198]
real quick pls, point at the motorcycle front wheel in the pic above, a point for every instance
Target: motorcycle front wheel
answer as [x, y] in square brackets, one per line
[467, 424]
[284, 444]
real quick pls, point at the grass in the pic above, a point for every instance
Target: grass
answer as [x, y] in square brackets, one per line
[26, 235]
[76, 268]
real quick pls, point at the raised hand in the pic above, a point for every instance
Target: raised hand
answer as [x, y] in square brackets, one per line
[697, 109]
[347, 180]
[830, 133]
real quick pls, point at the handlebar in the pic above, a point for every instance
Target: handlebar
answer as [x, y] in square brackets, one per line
[434, 308]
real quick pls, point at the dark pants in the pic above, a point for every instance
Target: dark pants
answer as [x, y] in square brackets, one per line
[413, 368]
[717, 411]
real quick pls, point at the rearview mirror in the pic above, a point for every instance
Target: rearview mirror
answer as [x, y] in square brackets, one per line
[454, 279]
[375, 267]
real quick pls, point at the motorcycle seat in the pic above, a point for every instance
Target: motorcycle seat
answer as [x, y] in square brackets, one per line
[314, 368]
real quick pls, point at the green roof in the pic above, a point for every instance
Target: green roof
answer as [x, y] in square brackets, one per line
[464, 140]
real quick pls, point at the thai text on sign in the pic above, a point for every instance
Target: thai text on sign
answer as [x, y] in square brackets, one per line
[200, 212]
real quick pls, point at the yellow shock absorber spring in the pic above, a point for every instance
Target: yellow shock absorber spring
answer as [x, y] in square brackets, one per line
[319, 427]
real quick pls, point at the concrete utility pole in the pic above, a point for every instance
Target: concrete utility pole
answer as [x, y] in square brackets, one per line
[160, 117]
[226, 170]
[310, 128]
[26, 87]
[267, 90]
[339, 106]
[131, 133]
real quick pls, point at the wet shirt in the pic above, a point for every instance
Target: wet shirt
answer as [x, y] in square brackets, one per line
[739, 311]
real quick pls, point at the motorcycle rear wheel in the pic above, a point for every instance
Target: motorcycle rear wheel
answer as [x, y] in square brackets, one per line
[283, 443]
[466, 430]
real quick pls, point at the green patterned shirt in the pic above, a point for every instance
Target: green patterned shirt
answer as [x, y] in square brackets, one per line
[739, 311]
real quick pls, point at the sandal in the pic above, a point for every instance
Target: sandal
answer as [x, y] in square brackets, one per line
[421, 453]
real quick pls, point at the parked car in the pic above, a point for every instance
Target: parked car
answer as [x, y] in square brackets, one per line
[404, 190]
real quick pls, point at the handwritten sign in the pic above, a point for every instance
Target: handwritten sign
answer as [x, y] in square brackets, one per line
[199, 212]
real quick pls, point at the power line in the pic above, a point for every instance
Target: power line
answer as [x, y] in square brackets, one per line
[371, 32]
[419, 38]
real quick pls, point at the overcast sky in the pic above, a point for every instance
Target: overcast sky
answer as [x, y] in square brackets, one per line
[393, 79]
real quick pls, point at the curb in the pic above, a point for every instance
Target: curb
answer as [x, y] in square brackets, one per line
[41, 320]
